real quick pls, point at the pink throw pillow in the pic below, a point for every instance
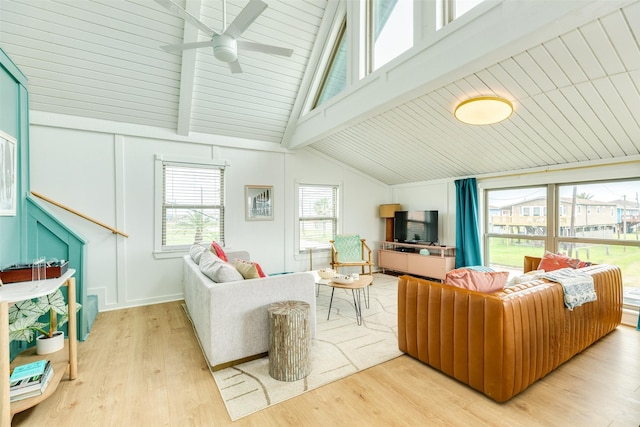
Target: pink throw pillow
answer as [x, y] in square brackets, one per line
[551, 262]
[217, 249]
[481, 281]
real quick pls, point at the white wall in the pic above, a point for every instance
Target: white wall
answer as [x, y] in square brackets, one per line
[439, 196]
[110, 176]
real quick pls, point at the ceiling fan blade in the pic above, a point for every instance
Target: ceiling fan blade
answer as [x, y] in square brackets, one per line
[265, 48]
[235, 67]
[177, 10]
[185, 46]
[246, 16]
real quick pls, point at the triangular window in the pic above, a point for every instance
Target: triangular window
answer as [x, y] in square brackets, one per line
[335, 77]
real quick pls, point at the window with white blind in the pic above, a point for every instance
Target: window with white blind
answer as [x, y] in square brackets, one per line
[317, 216]
[191, 204]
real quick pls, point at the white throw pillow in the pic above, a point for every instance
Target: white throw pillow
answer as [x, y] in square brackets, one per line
[196, 252]
[218, 270]
[527, 277]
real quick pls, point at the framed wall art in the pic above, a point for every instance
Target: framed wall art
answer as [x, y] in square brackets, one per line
[8, 175]
[258, 202]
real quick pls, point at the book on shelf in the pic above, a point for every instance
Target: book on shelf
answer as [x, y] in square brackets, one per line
[29, 381]
[28, 370]
[30, 387]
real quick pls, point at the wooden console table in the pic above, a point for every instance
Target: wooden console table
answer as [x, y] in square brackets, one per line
[440, 260]
[16, 292]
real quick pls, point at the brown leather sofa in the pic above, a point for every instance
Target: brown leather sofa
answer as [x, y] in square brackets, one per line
[501, 343]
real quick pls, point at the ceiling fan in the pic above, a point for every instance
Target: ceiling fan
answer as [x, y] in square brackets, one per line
[226, 44]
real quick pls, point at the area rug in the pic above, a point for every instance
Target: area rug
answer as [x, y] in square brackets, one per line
[341, 348]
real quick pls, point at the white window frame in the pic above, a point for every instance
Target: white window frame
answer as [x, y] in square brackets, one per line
[158, 251]
[330, 32]
[338, 186]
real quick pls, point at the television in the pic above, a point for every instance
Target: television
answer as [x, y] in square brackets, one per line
[416, 227]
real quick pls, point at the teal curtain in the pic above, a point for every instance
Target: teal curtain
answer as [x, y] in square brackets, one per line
[467, 227]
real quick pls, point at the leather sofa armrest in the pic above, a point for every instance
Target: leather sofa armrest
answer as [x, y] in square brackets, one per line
[531, 263]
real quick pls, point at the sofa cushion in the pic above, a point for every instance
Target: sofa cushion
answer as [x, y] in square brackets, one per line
[196, 252]
[248, 269]
[481, 281]
[551, 262]
[218, 270]
[217, 249]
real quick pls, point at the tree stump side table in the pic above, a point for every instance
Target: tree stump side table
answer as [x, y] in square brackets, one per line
[289, 340]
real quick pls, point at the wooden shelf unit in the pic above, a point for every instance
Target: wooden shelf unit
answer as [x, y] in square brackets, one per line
[63, 361]
[440, 260]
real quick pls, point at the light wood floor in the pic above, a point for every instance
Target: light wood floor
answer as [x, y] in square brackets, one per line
[143, 367]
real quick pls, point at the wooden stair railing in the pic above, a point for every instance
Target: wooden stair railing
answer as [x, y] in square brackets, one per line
[75, 212]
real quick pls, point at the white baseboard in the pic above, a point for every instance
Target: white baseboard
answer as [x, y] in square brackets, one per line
[630, 317]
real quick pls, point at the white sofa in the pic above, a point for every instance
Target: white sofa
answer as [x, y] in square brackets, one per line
[231, 318]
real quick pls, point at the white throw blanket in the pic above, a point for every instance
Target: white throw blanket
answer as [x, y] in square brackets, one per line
[577, 285]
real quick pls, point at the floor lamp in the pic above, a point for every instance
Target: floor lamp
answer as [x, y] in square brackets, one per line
[388, 211]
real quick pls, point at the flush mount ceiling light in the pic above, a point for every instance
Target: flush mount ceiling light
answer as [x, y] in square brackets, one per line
[483, 110]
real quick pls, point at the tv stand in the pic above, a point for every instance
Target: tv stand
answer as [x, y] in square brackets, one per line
[405, 257]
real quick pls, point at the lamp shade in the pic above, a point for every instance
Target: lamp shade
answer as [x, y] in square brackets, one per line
[483, 110]
[389, 210]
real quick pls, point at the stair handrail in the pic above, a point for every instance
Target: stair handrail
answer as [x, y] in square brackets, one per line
[75, 212]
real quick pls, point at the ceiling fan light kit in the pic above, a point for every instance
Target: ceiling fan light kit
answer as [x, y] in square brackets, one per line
[226, 45]
[225, 48]
[483, 110]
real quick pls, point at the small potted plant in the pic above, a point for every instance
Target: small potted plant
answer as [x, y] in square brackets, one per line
[24, 322]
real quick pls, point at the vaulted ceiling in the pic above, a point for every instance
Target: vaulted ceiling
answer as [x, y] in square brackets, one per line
[576, 93]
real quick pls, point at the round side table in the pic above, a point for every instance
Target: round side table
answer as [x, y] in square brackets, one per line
[289, 340]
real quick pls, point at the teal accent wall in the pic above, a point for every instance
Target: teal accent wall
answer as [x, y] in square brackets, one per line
[33, 232]
[13, 122]
[50, 238]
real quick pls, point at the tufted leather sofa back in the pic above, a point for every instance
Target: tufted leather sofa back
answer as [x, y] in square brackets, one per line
[501, 343]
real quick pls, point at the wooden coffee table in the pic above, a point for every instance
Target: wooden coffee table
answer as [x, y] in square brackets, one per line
[356, 290]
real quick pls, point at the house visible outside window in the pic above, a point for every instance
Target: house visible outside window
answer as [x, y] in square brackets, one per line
[390, 30]
[600, 239]
[191, 208]
[506, 235]
[317, 216]
[335, 77]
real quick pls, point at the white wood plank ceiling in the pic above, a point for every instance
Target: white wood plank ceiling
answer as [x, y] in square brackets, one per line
[102, 59]
[576, 96]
